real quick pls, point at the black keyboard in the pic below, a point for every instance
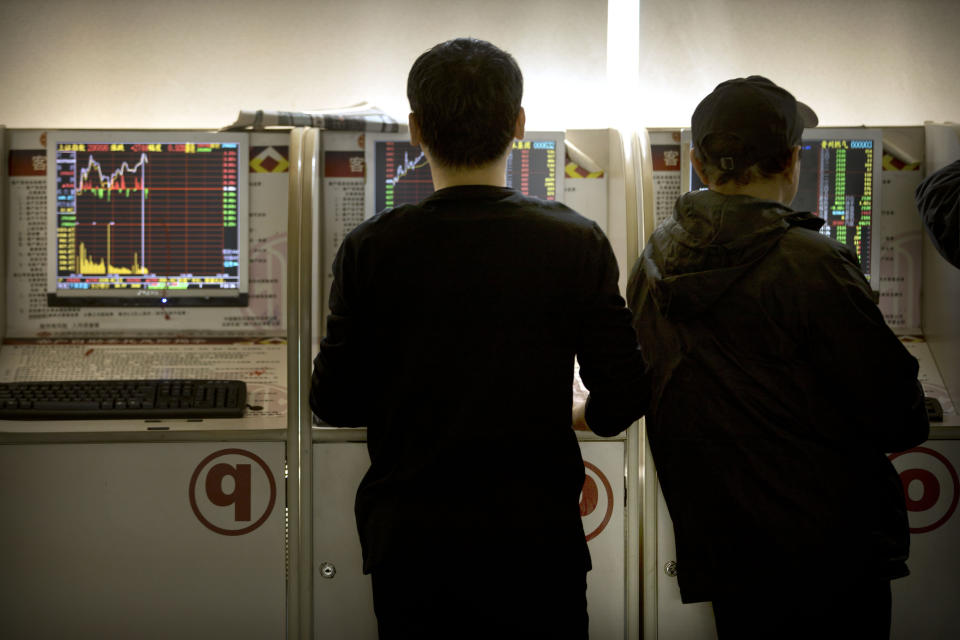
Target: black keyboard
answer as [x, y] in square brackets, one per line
[107, 399]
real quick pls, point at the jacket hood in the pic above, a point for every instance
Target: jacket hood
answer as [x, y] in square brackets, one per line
[712, 241]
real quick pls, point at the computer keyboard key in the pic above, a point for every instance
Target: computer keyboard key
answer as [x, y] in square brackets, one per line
[66, 405]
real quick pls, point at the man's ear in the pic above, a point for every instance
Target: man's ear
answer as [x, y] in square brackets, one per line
[793, 167]
[415, 138]
[519, 128]
[698, 166]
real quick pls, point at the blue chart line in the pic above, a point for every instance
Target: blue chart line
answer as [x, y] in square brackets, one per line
[405, 168]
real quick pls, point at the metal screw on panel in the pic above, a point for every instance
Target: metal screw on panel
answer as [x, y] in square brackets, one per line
[670, 569]
[327, 570]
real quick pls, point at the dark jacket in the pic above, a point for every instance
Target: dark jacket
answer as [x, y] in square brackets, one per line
[777, 389]
[938, 200]
[452, 333]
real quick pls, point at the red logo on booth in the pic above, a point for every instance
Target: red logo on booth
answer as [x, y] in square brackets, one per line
[596, 506]
[930, 485]
[227, 492]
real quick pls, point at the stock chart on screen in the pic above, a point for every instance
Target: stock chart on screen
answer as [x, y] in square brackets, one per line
[839, 182]
[401, 173]
[140, 218]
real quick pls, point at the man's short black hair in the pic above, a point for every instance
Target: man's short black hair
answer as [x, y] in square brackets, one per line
[465, 95]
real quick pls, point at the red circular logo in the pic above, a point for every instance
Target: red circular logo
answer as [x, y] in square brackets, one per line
[596, 507]
[931, 487]
[230, 513]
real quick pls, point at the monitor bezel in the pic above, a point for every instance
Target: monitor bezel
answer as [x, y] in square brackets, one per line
[238, 297]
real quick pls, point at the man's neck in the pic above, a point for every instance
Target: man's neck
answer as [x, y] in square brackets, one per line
[493, 174]
[775, 190]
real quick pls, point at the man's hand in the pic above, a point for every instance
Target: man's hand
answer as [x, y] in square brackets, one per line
[580, 395]
[579, 416]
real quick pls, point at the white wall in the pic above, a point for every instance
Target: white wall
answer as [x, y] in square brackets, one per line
[195, 63]
[874, 62]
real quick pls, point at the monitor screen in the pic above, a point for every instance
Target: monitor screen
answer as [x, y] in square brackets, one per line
[839, 182]
[398, 172]
[147, 218]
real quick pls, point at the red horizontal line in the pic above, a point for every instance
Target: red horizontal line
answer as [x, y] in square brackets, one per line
[159, 225]
[148, 188]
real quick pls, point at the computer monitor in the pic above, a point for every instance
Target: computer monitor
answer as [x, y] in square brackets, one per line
[147, 218]
[689, 180]
[839, 182]
[840, 179]
[398, 173]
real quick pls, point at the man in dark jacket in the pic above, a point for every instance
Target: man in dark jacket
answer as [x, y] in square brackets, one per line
[452, 334]
[777, 389]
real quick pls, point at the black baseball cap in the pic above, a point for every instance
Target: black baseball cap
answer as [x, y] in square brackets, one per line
[760, 120]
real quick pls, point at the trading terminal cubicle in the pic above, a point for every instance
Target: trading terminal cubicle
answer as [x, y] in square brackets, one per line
[116, 528]
[244, 527]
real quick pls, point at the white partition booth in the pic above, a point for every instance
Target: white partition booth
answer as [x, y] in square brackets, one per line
[920, 298]
[244, 528]
[166, 528]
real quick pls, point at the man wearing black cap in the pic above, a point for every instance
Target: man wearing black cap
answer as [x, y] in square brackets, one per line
[777, 390]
